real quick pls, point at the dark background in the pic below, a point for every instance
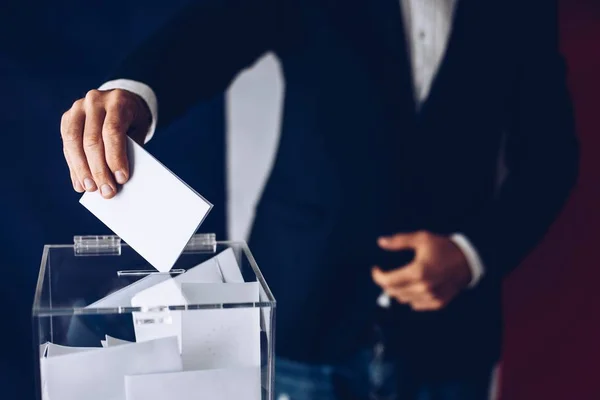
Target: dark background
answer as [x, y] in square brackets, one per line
[52, 52]
[552, 303]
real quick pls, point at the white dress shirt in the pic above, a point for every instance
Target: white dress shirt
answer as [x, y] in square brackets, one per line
[428, 26]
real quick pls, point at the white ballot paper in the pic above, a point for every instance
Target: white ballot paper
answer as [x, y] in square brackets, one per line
[122, 297]
[220, 293]
[229, 267]
[43, 348]
[222, 266]
[222, 384]
[169, 293]
[54, 350]
[112, 342]
[220, 338]
[155, 212]
[100, 375]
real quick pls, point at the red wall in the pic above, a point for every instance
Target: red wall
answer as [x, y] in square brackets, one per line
[552, 303]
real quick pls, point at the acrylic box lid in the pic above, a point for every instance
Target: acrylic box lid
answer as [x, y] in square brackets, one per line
[103, 275]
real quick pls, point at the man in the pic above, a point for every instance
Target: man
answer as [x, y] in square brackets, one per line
[394, 119]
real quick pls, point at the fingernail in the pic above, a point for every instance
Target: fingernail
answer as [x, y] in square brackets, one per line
[120, 177]
[77, 186]
[89, 184]
[106, 190]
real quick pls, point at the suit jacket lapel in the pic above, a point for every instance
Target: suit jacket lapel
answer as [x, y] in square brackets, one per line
[446, 83]
[375, 28]
[388, 20]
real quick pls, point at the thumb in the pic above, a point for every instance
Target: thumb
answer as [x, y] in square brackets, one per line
[401, 241]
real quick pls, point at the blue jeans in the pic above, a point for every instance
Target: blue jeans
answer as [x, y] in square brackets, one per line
[366, 378]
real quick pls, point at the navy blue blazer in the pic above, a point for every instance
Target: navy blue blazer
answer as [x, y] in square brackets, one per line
[356, 160]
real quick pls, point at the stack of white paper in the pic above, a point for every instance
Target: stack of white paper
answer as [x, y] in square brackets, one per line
[169, 293]
[99, 374]
[199, 353]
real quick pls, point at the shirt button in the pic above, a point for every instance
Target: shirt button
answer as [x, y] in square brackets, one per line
[421, 35]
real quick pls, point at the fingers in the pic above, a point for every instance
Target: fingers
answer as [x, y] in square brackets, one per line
[431, 305]
[407, 294]
[406, 289]
[402, 241]
[420, 296]
[76, 185]
[94, 133]
[116, 123]
[72, 127]
[411, 285]
[400, 277]
[435, 276]
[93, 146]
[432, 299]
[74, 179]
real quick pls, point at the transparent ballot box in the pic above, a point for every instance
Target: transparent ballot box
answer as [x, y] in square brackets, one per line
[108, 326]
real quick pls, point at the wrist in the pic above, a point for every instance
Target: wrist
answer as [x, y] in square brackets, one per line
[474, 262]
[148, 108]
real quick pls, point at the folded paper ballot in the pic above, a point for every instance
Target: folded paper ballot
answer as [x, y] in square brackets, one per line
[216, 269]
[229, 267]
[43, 348]
[53, 350]
[209, 338]
[220, 384]
[220, 338]
[123, 296]
[220, 293]
[156, 213]
[223, 266]
[99, 374]
[112, 342]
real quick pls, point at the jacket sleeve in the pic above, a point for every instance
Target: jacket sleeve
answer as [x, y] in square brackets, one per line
[199, 52]
[541, 153]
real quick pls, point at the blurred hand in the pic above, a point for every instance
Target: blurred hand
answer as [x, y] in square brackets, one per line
[94, 138]
[437, 274]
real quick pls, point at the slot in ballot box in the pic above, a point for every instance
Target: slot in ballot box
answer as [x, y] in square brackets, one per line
[108, 326]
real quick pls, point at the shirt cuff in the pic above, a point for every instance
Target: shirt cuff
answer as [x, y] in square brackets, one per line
[142, 90]
[472, 256]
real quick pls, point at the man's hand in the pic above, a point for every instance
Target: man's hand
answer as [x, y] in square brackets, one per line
[94, 138]
[437, 274]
